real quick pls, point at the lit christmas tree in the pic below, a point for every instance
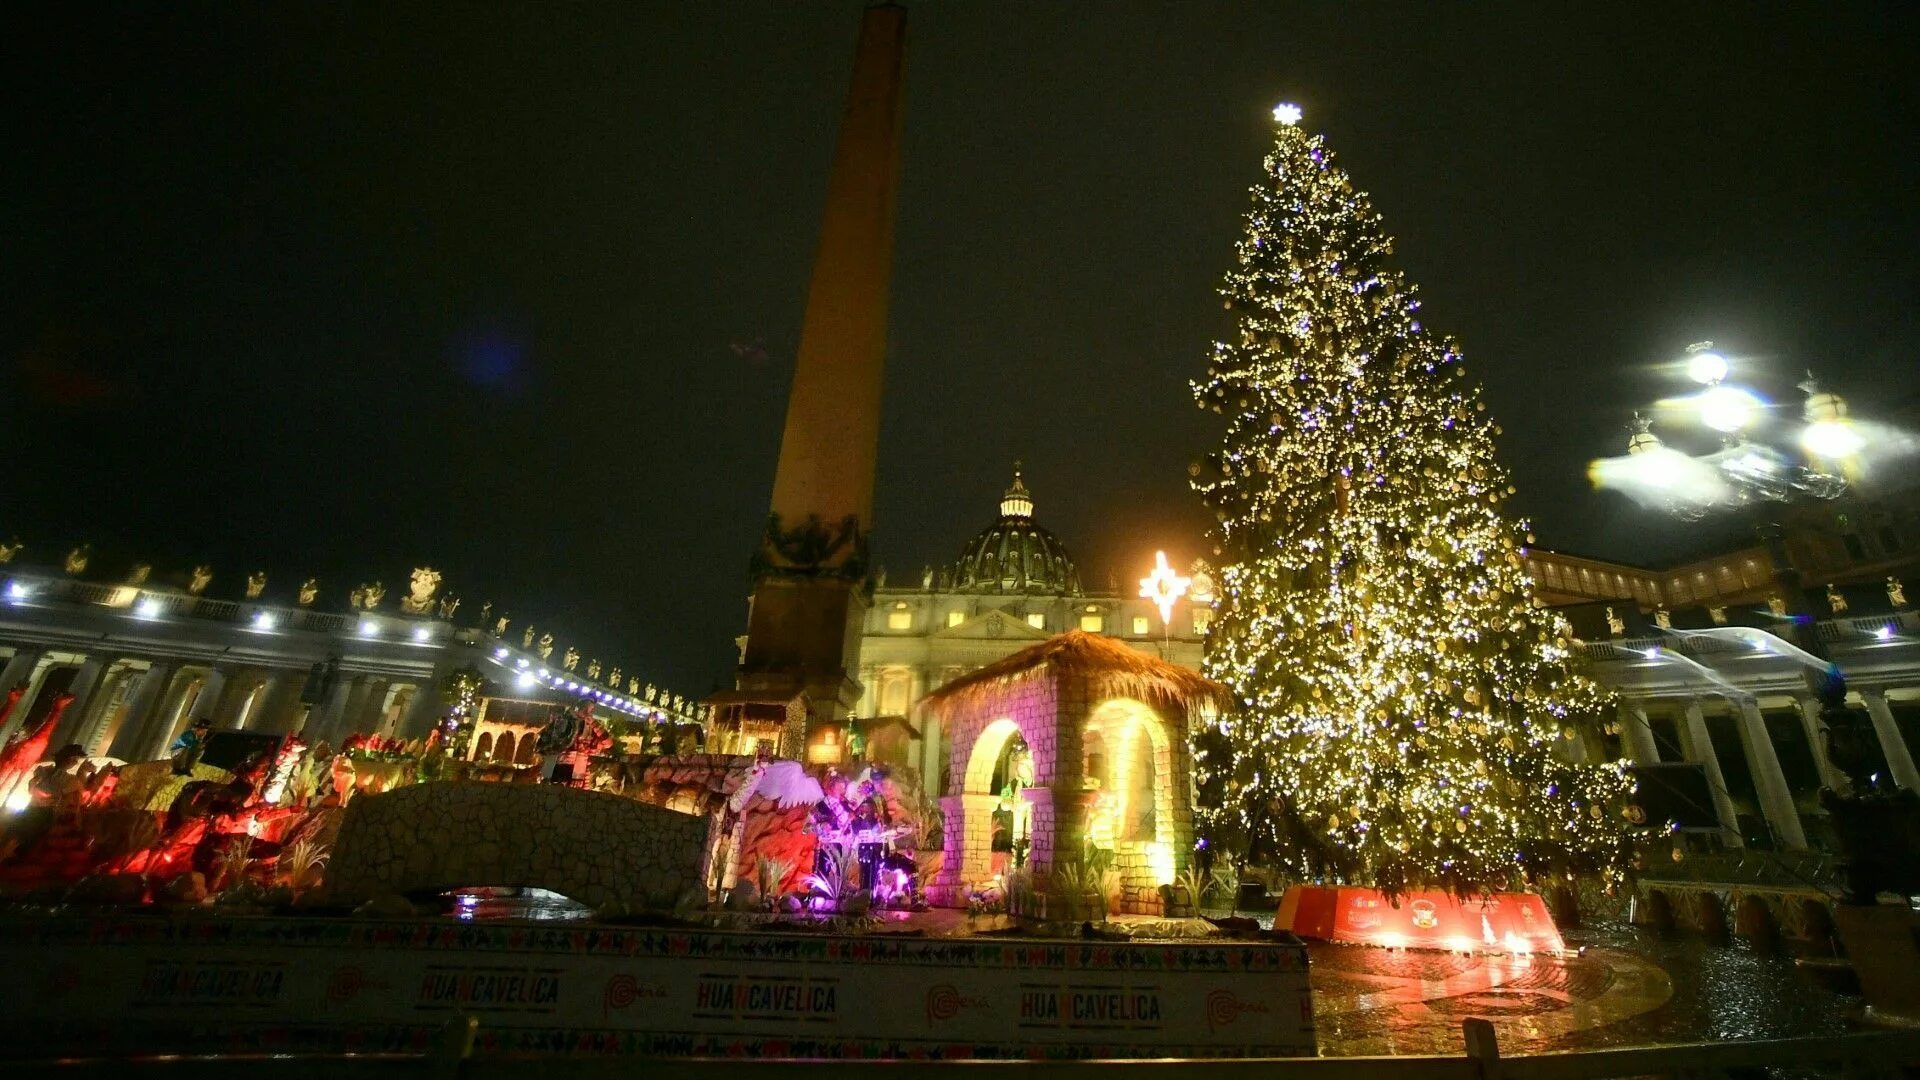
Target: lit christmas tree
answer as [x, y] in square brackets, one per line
[1402, 699]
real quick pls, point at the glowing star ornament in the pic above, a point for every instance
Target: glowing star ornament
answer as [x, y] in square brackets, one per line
[1164, 586]
[1287, 113]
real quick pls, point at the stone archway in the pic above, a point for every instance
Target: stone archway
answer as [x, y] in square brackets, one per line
[1135, 809]
[969, 827]
[1106, 727]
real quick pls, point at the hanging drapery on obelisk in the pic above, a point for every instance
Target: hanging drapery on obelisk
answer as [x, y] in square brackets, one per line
[811, 565]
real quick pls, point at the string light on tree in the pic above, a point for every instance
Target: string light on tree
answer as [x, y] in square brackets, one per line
[1402, 702]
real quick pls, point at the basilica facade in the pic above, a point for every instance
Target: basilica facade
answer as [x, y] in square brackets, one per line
[1014, 584]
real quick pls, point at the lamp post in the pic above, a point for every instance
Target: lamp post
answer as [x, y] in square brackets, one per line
[1758, 479]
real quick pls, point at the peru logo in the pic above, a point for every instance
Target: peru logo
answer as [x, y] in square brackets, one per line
[1223, 1009]
[945, 1002]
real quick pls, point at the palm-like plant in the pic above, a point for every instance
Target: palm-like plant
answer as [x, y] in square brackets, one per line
[770, 874]
[1197, 883]
[231, 867]
[302, 865]
[833, 886]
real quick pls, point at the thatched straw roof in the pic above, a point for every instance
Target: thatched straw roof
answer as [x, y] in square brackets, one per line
[1111, 669]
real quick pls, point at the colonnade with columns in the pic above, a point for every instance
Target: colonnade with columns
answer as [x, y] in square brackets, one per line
[132, 707]
[1780, 744]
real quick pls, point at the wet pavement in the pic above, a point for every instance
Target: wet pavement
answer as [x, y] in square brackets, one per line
[1626, 987]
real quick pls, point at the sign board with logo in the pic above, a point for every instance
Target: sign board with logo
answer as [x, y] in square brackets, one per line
[158, 984]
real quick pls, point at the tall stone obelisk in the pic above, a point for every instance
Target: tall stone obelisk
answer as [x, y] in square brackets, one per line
[810, 570]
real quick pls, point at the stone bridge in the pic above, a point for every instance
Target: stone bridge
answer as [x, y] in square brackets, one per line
[594, 848]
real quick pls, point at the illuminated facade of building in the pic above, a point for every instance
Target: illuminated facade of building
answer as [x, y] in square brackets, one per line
[1706, 674]
[1694, 690]
[144, 661]
[1014, 585]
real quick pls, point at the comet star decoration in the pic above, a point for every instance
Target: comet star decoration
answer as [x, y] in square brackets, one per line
[1405, 711]
[1164, 586]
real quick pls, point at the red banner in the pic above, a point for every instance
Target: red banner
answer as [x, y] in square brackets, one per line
[1502, 922]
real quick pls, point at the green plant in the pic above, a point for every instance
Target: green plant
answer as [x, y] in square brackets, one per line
[302, 865]
[1197, 883]
[932, 824]
[230, 868]
[770, 874]
[834, 886]
[1076, 891]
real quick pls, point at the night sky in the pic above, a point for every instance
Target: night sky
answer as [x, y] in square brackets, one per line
[515, 291]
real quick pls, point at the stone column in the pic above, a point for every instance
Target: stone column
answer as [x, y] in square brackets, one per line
[248, 698]
[425, 708]
[133, 742]
[116, 688]
[21, 667]
[1776, 799]
[357, 716]
[1636, 730]
[323, 723]
[85, 689]
[207, 705]
[1698, 746]
[967, 845]
[1817, 742]
[869, 703]
[1061, 823]
[1899, 757]
[280, 712]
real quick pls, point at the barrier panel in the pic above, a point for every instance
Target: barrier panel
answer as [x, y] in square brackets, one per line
[154, 984]
[1502, 922]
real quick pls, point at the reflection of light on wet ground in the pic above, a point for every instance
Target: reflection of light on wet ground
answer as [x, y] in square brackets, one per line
[1372, 1001]
[1629, 988]
[536, 904]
